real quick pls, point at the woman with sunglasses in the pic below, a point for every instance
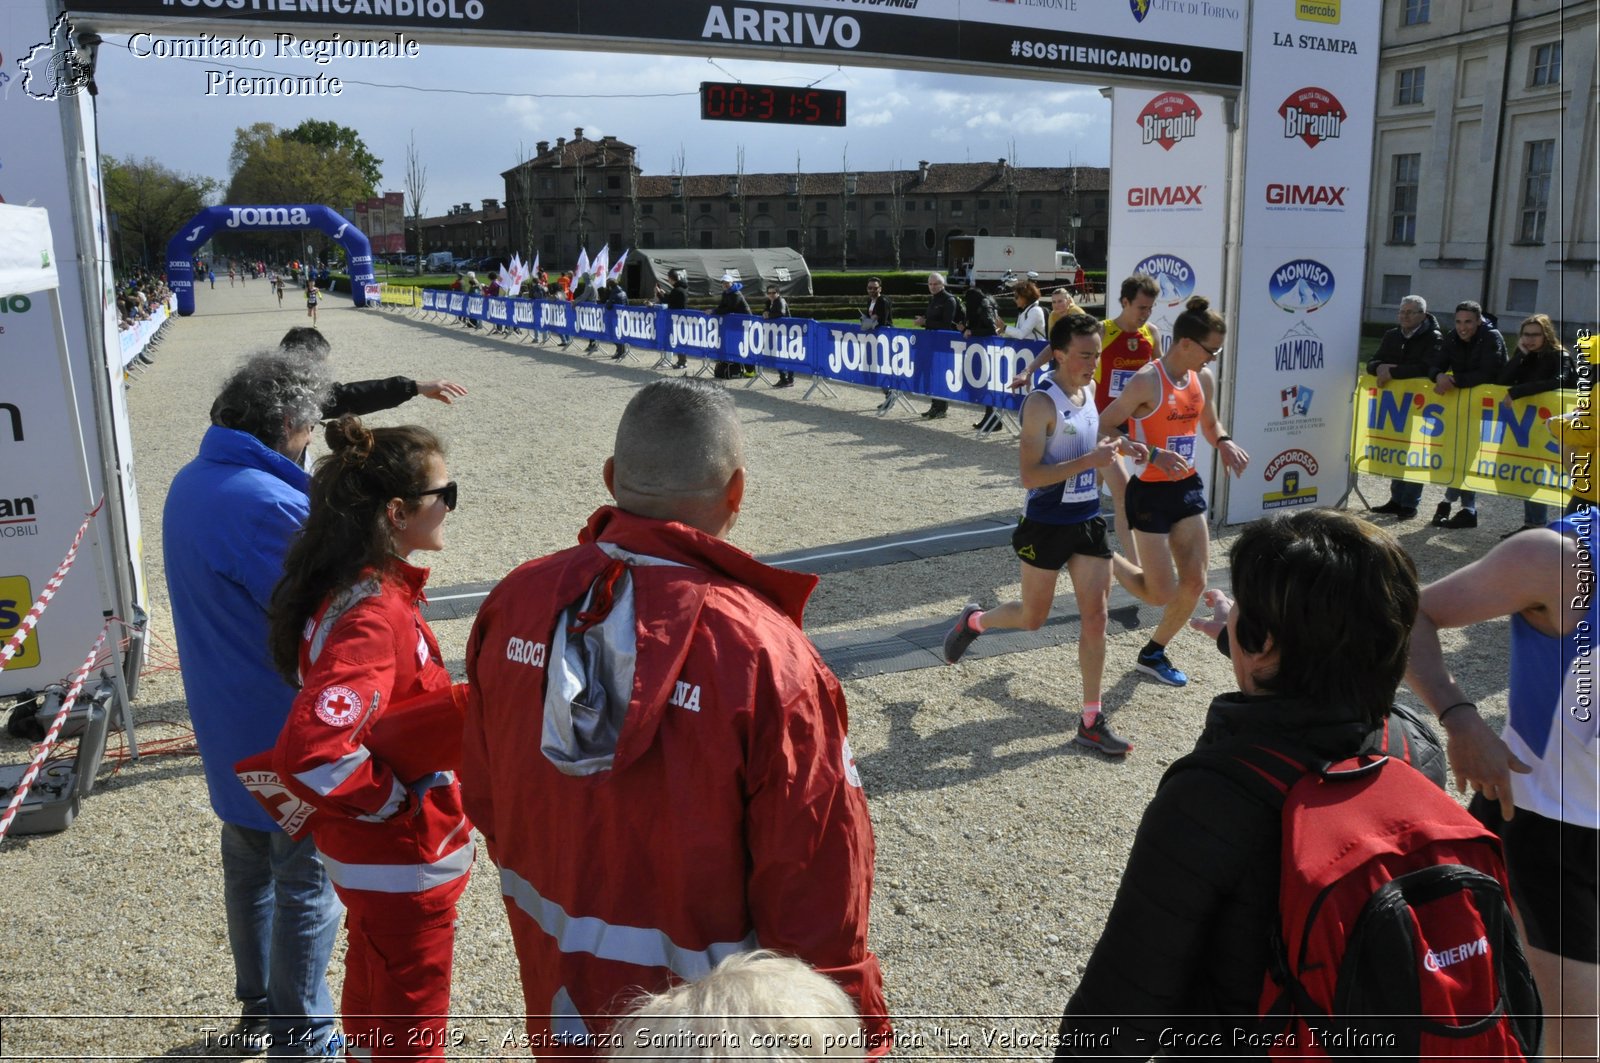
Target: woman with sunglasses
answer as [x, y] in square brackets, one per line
[1539, 364]
[374, 735]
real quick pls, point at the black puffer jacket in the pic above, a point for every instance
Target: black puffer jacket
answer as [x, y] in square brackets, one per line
[1547, 369]
[1185, 947]
[1479, 360]
[1411, 355]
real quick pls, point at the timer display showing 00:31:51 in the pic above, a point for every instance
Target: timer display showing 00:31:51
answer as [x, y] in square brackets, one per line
[725, 101]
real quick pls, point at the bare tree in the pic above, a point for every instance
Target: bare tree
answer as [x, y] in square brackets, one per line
[845, 183]
[416, 191]
[1012, 189]
[580, 196]
[800, 201]
[737, 195]
[897, 210]
[680, 183]
[524, 207]
[633, 198]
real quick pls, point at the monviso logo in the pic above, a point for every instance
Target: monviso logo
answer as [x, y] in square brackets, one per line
[1301, 286]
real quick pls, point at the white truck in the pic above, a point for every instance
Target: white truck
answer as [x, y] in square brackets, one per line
[990, 261]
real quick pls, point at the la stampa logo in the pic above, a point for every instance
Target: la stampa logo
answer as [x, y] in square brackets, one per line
[1169, 118]
[52, 69]
[1313, 115]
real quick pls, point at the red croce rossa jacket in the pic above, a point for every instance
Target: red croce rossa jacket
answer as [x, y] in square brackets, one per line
[659, 761]
[389, 823]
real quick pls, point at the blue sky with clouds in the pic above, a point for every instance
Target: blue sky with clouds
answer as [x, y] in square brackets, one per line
[499, 98]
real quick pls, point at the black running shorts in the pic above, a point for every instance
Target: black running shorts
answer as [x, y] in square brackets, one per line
[1155, 506]
[1045, 545]
[1551, 865]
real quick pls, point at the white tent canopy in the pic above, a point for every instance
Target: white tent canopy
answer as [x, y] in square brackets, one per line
[26, 262]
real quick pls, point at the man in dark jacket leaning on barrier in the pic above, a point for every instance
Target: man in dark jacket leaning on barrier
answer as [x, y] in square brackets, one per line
[1405, 354]
[1318, 639]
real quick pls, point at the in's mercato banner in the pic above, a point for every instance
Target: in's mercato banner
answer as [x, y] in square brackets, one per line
[1308, 159]
[1199, 42]
[1473, 438]
[942, 365]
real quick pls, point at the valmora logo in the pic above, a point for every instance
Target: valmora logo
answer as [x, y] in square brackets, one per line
[1313, 115]
[1169, 118]
[268, 216]
[1306, 195]
[1173, 274]
[1302, 286]
[1165, 196]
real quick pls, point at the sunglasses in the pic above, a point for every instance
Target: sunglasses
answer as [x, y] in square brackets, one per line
[447, 494]
[1211, 352]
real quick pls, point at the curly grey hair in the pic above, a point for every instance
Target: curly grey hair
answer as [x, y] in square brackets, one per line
[273, 393]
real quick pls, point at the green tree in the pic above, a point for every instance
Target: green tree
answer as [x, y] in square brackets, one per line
[331, 137]
[148, 204]
[270, 167]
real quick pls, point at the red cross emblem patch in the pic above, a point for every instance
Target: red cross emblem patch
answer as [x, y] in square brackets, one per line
[338, 706]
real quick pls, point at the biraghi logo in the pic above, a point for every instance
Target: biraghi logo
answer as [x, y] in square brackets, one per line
[1302, 286]
[1313, 115]
[1169, 118]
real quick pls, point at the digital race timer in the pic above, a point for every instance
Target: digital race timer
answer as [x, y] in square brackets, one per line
[775, 104]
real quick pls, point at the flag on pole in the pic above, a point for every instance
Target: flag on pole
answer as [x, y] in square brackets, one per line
[616, 271]
[601, 264]
[583, 263]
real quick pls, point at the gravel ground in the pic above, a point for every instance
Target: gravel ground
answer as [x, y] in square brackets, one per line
[999, 844]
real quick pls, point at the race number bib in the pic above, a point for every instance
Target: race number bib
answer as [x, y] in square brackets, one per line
[1183, 446]
[1119, 380]
[1081, 488]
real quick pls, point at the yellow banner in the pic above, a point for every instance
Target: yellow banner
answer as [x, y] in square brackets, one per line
[399, 295]
[1405, 431]
[1474, 438]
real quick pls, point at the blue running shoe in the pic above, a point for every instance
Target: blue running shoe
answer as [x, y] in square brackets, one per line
[1158, 666]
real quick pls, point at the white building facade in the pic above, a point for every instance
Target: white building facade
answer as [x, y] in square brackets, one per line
[1484, 182]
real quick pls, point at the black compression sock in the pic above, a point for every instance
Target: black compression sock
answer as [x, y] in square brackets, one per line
[1152, 649]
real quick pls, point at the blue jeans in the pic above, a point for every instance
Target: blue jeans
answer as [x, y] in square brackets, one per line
[1405, 493]
[1469, 499]
[283, 919]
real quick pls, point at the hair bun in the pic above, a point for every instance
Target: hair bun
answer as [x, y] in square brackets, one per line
[349, 439]
[1197, 304]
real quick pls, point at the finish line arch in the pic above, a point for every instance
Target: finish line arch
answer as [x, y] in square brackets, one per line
[270, 219]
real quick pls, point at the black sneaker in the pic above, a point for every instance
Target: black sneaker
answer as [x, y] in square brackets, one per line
[247, 1037]
[1391, 507]
[1441, 514]
[961, 635]
[1463, 519]
[1101, 737]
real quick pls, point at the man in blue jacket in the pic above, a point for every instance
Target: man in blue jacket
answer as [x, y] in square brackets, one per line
[230, 516]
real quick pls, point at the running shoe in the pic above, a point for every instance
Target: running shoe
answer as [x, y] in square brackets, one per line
[1100, 736]
[960, 636]
[1158, 666]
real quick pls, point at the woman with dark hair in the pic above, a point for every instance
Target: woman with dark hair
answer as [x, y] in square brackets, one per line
[375, 732]
[1318, 637]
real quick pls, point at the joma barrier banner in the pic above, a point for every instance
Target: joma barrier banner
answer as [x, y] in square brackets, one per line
[937, 364]
[1472, 438]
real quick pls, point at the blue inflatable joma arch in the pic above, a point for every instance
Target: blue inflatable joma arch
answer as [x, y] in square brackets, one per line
[181, 249]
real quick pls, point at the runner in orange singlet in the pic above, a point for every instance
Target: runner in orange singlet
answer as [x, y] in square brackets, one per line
[1168, 402]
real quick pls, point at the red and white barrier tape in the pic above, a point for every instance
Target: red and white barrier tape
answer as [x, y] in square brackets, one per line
[52, 585]
[55, 727]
